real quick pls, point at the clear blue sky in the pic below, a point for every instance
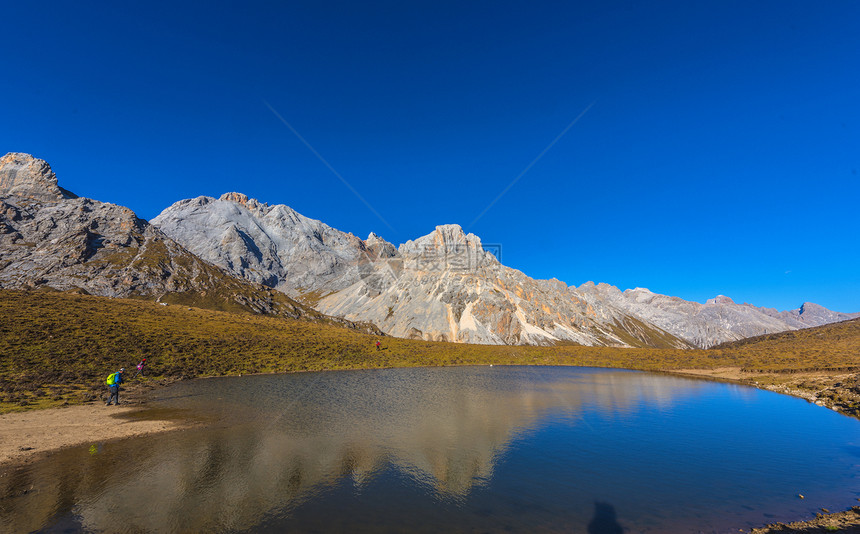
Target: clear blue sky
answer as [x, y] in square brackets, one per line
[721, 154]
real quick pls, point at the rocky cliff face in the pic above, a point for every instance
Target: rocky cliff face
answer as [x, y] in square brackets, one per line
[51, 238]
[26, 177]
[446, 287]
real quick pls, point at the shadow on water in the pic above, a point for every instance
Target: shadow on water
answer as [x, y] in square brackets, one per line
[604, 520]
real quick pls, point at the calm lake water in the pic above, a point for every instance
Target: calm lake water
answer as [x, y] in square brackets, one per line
[469, 449]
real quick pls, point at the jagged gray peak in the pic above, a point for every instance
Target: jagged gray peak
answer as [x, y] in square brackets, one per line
[378, 247]
[447, 247]
[445, 240]
[27, 177]
[273, 245]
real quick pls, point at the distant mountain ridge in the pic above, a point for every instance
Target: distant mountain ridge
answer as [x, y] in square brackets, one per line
[719, 320]
[810, 314]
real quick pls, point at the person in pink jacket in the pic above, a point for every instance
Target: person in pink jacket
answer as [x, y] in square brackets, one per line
[140, 367]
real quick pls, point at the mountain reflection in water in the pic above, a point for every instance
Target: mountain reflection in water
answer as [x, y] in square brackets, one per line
[280, 443]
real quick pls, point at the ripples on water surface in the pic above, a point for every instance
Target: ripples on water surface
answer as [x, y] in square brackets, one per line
[470, 449]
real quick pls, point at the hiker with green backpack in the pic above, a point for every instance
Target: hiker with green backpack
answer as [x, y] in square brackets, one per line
[113, 381]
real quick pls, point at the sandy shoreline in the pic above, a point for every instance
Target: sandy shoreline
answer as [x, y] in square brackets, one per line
[25, 436]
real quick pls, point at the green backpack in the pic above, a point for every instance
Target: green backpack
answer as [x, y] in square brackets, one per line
[111, 379]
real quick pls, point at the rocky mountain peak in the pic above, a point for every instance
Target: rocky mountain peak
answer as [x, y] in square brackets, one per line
[269, 244]
[25, 176]
[251, 203]
[720, 299]
[447, 247]
[599, 289]
[557, 285]
[379, 246]
[810, 307]
[444, 237]
[641, 295]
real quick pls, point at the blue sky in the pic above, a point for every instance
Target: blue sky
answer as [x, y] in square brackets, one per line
[720, 153]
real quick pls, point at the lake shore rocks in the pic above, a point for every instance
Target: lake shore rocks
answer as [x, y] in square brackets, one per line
[847, 522]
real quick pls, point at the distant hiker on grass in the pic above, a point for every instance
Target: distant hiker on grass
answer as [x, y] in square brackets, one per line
[378, 343]
[113, 381]
[140, 367]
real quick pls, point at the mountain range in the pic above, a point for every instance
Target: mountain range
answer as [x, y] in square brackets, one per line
[51, 238]
[441, 287]
[270, 259]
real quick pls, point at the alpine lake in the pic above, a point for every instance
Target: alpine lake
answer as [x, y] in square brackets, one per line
[459, 449]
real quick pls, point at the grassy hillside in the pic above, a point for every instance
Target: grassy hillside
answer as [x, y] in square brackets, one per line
[57, 348]
[830, 347]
